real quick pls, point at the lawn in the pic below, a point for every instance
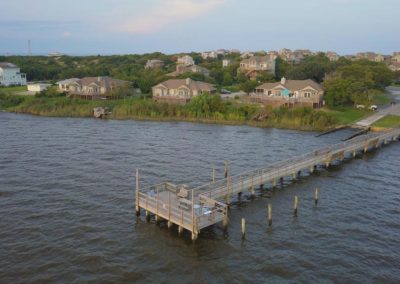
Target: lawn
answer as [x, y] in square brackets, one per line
[381, 99]
[388, 121]
[13, 89]
[346, 115]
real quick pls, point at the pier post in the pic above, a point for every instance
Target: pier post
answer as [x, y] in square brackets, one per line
[137, 207]
[294, 175]
[296, 203]
[180, 230]
[269, 214]
[169, 206]
[194, 234]
[243, 228]
[147, 216]
[252, 191]
[226, 169]
[225, 221]
[273, 183]
[169, 224]
[213, 176]
[316, 197]
[311, 169]
[354, 153]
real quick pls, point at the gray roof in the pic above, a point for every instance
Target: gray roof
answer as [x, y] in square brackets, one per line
[6, 65]
[189, 83]
[293, 85]
[104, 81]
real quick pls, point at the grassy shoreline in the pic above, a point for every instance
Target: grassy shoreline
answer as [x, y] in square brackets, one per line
[232, 112]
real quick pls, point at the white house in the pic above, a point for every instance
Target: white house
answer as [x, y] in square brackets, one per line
[10, 75]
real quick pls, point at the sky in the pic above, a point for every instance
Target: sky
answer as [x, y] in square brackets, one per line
[83, 27]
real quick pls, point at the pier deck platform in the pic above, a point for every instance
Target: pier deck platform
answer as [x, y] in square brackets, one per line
[197, 208]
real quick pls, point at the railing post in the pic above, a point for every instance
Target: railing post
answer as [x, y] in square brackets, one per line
[156, 217]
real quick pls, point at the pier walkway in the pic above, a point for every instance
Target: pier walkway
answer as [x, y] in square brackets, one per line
[197, 208]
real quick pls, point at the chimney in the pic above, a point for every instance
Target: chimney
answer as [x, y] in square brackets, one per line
[99, 79]
[188, 81]
[283, 81]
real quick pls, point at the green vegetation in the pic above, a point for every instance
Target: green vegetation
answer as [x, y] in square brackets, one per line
[204, 108]
[357, 82]
[346, 115]
[13, 89]
[346, 83]
[388, 121]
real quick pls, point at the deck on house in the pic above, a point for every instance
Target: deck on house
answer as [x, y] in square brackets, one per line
[200, 207]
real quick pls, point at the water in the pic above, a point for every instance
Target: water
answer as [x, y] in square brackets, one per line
[67, 206]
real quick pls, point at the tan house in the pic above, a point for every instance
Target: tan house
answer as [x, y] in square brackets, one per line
[181, 69]
[333, 56]
[185, 60]
[290, 93]
[372, 56]
[253, 66]
[396, 57]
[180, 90]
[91, 87]
[154, 63]
[394, 66]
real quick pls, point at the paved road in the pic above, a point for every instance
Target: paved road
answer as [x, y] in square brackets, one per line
[394, 94]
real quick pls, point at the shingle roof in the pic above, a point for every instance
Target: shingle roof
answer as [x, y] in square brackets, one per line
[258, 59]
[105, 81]
[191, 84]
[293, 85]
[6, 65]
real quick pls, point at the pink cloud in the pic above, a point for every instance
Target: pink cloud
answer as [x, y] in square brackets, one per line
[169, 12]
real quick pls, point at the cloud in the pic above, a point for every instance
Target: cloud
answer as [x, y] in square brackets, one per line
[66, 34]
[167, 13]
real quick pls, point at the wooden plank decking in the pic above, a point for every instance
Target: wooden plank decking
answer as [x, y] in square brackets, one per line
[208, 204]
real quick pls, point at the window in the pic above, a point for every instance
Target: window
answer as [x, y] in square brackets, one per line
[307, 95]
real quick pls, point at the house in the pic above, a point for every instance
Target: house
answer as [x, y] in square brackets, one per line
[286, 54]
[185, 60]
[394, 66]
[253, 66]
[181, 69]
[246, 54]
[180, 90]
[38, 87]
[10, 75]
[290, 93]
[154, 63]
[333, 56]
[92, 87]
[209, 54]
[372, 56]
[395, 57]
[226, 62]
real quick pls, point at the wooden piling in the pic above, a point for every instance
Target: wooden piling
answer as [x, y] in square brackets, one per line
[169, 224]
[296, 203]
[243, 228]
[316, 197]
[213, 175]
[137, 207]
[226, 170]
[147, 216]
[225, 221]
[269, 215]
[180, 230]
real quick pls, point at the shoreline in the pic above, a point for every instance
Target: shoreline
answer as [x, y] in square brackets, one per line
[172, 119]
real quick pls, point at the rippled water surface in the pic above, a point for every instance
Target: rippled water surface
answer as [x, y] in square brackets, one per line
[66, 206]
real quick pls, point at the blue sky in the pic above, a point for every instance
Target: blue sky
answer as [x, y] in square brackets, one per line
[170, 26]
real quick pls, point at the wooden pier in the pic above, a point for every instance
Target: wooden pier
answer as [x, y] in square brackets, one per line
[197, 208]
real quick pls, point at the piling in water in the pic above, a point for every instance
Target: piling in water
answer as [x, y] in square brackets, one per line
[316, 197]
[269, 215]
[243, 228]
[296, 203]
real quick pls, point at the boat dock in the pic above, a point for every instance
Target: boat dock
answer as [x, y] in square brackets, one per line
[194, 209]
